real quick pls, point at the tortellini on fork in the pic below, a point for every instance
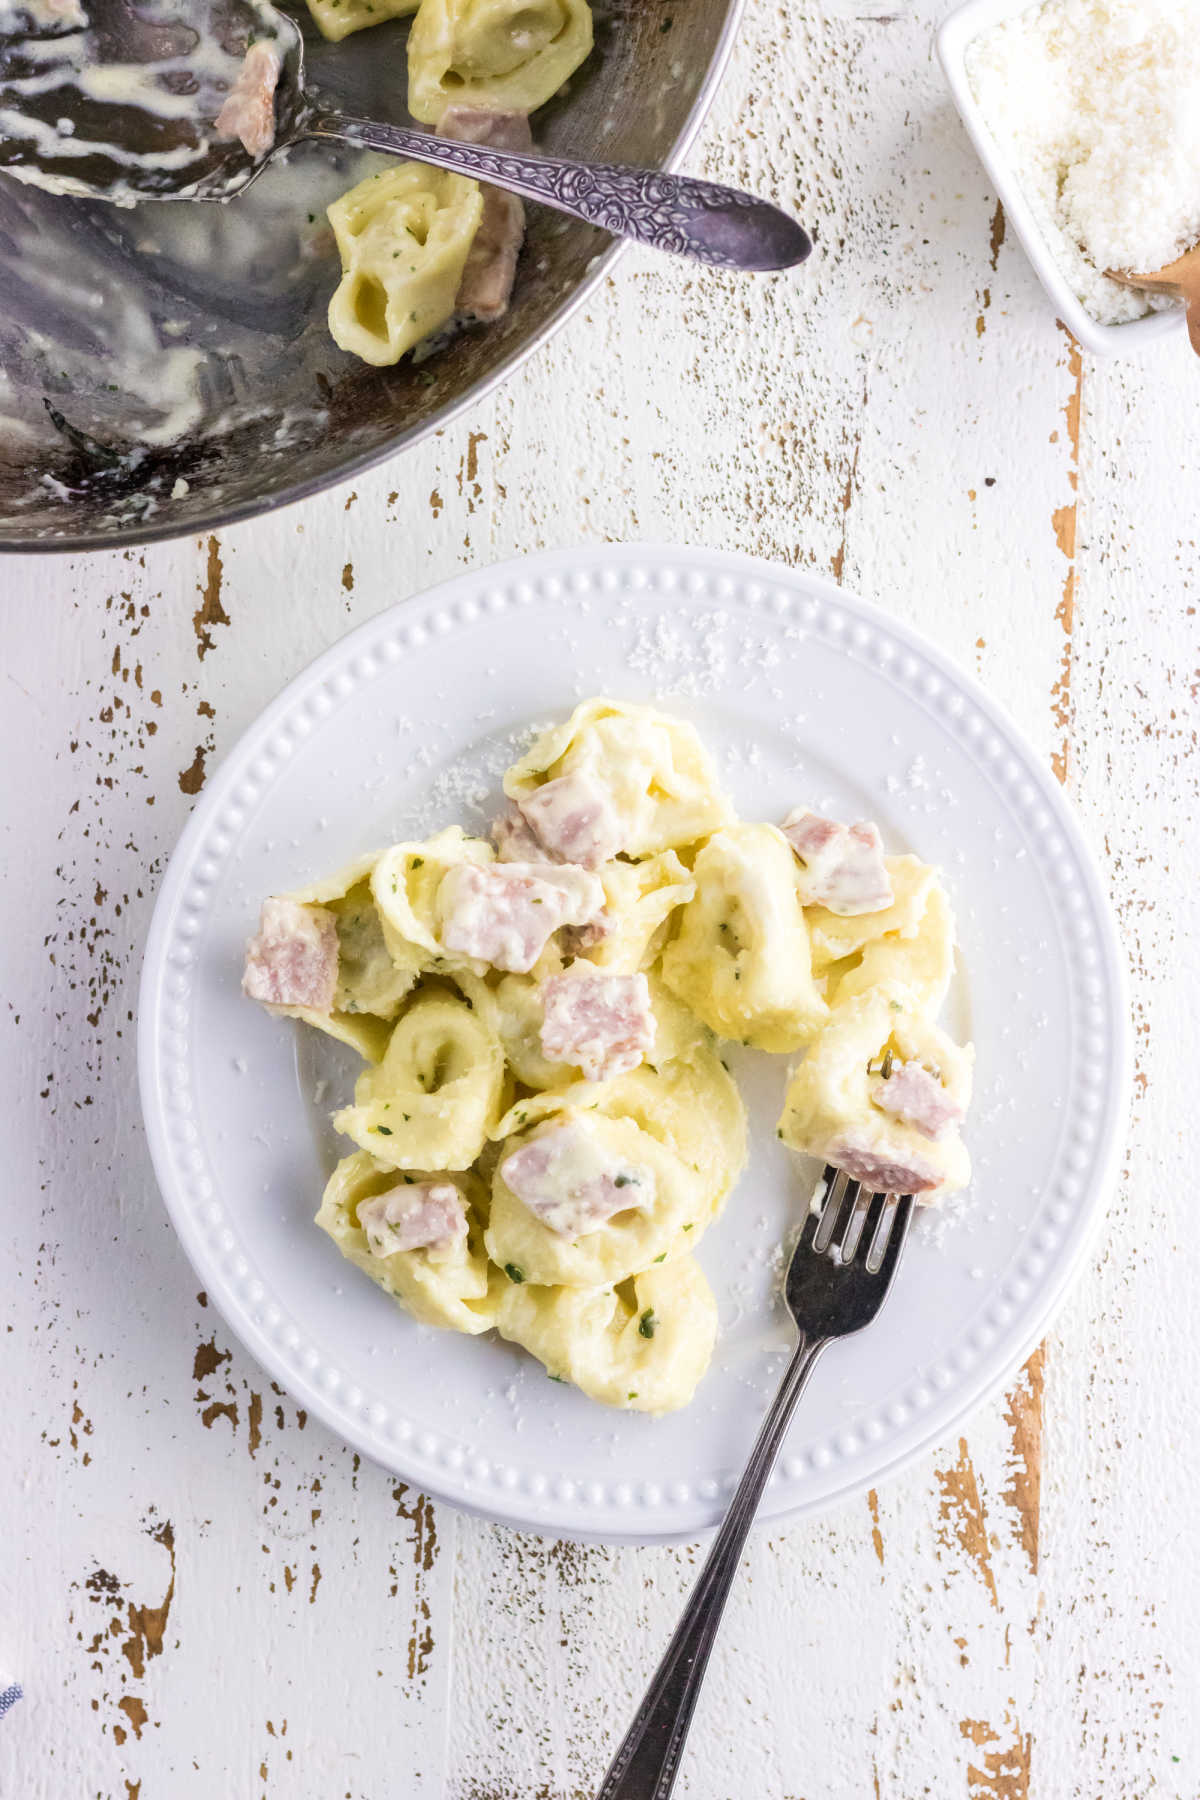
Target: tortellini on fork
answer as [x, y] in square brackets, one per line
[403, 236]
[501, 55]
[882, 1094]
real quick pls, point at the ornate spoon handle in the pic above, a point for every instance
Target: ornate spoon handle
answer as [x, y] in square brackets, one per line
[716, 225]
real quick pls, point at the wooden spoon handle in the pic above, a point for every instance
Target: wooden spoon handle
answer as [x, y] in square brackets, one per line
[1193, 319]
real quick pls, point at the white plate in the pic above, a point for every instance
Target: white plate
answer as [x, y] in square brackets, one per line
[805, 694]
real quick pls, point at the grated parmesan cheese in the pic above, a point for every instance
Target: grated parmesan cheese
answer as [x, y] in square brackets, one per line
[1097, 104]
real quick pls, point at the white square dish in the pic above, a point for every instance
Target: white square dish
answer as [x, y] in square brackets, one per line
[962, 27]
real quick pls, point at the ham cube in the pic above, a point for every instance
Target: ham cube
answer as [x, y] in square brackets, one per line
[910, 1093]
[571, 1180]
[505, 913]
[578, 938]
[883, 1172]
[601, 1023]
[574, 819]
[842, 866]
[514, 839]
[293, 961]
[491, 266]
[418, 1215]
[249, 109]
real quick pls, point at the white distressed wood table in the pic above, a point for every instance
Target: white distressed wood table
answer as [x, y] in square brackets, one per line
[206, 1596]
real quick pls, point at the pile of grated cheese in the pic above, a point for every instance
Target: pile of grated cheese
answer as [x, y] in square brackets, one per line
[1097, 105]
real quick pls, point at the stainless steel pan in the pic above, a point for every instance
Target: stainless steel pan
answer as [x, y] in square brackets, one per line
[166, 369]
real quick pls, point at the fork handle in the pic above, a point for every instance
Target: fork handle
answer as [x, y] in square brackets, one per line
[647, 1762]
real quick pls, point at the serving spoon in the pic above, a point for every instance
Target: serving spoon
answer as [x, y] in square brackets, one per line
[101, 98]
[1180, 279]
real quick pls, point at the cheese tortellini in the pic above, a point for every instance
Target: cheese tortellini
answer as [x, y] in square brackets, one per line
[348, 986]
[642, 1344]
[741, 957]
[835, 936]
[657, 774]
[544, 1128]
[336, 19]
[493, 55]
[920, 961]
[368, 979]
[639, 899]
[452, 1285]
[405, 882]
[663, 1193]
[403, 236]
[435, 1096]
[881, 1095]
[424, 251]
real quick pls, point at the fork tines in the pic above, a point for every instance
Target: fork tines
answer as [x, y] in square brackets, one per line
[849, 1216]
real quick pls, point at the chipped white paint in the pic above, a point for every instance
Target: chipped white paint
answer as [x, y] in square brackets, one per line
[205, 1597]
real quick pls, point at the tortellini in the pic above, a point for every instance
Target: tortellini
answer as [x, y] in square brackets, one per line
[405, 882]
[336, 19]
[519, 1022]
[656, 772]
[642, 1344]
[515, 1164]
[834, 936]
[689, 1107]
[921, 963]
[692, 1105]
[494, 55]
[367, 988]
[422, 249]
[455, 1287]
[639, 900]
[403, 237]
[368, 980]
[740, 958]
[881, 1094]
[436, 1095]
[665, 1195]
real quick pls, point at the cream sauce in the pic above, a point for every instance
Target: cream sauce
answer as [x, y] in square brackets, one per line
[187, 87]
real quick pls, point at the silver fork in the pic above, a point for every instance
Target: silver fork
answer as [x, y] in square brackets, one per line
[831, 1292]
